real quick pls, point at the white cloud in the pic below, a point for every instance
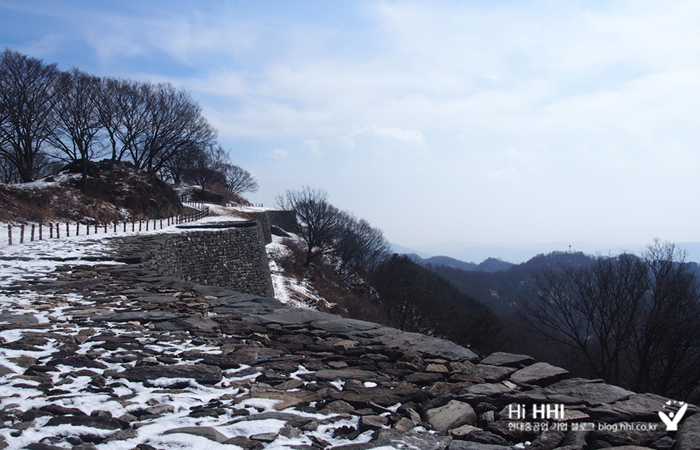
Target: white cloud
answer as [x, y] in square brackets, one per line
[313, 146]
[540, 94]
[279, 153]
[508, 174]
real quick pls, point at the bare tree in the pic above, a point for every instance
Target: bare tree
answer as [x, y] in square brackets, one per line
[77, 118]
[316, 216]
[631, 321]
[174, 124]
[28, 96]
[238, 180]
[360, 246]
[8, 171]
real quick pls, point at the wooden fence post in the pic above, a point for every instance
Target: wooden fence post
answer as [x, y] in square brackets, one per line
[21, 234]
[9, 233]
[33, 226]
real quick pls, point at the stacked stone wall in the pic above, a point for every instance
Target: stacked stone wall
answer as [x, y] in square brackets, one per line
[264, 224]
[233, 258]
[286, 220]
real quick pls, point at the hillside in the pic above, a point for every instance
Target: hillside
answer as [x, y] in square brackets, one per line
[115, 192]
[502, 289]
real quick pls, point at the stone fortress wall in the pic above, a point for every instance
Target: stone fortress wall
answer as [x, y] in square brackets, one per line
[230, 255]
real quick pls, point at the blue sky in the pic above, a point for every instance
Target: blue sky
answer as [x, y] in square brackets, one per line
[490, 122]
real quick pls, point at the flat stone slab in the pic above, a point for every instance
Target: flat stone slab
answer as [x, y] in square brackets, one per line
[430, 345]
[17, 319]
[508, 359]
[540, 374]
[200, 373]
[492, 374]
[135, 316]
[636, 408]
[592, 392]
[488, 389]
[392, 439]
[467, 445]
[344, 326]
[688, 436]
[289, 316]
[348, 374]
[454, 414]
[158, 299]
[4, 371]
[206, 432]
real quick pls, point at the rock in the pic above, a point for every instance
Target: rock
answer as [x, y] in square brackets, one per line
[5, 371]
[389, 439]
[372, 423]
[244, 442]
[592, 392]
[58, 410]
[429, 345]
[540, 374]
[464, 430]
[123, 435]
[159, 410]
[404, 425]
[688, 437]
[485, 437]
[487, 389]
[207, 432]
[85, 421]
[290, 432]
[337, 407]
[349, 374]
[79, 362]
[200, 373]
[289, 399]
[437, 368]
[626, 433]
[548, 440]
[424, 378]
[466, 445]
[665, 443]
[140, 316]
[508, 359]
[636, 408]
[385, 397]
[492, 374]
[452, 415]
[264, 437]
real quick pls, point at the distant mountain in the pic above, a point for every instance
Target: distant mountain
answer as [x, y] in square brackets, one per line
[501, 288]
[488, 265]
[450, 262]
[408, 251]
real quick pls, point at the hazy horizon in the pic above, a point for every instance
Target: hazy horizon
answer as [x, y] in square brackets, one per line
[482, 121]
[517, 253]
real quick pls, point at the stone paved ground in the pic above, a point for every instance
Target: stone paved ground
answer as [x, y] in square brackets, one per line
[111, 356]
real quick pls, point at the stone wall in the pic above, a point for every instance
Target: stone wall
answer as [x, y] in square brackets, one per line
[263, 222]
[227, 255]
[286, 220]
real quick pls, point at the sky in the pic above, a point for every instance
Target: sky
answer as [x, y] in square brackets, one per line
[443, 123]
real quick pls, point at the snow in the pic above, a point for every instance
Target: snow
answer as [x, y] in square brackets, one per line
[21, 263]
[289, 290]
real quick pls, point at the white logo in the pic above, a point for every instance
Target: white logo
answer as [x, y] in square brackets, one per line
[673, 419]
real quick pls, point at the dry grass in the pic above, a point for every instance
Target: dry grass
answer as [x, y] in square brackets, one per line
[115, 192]
[347, 302]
